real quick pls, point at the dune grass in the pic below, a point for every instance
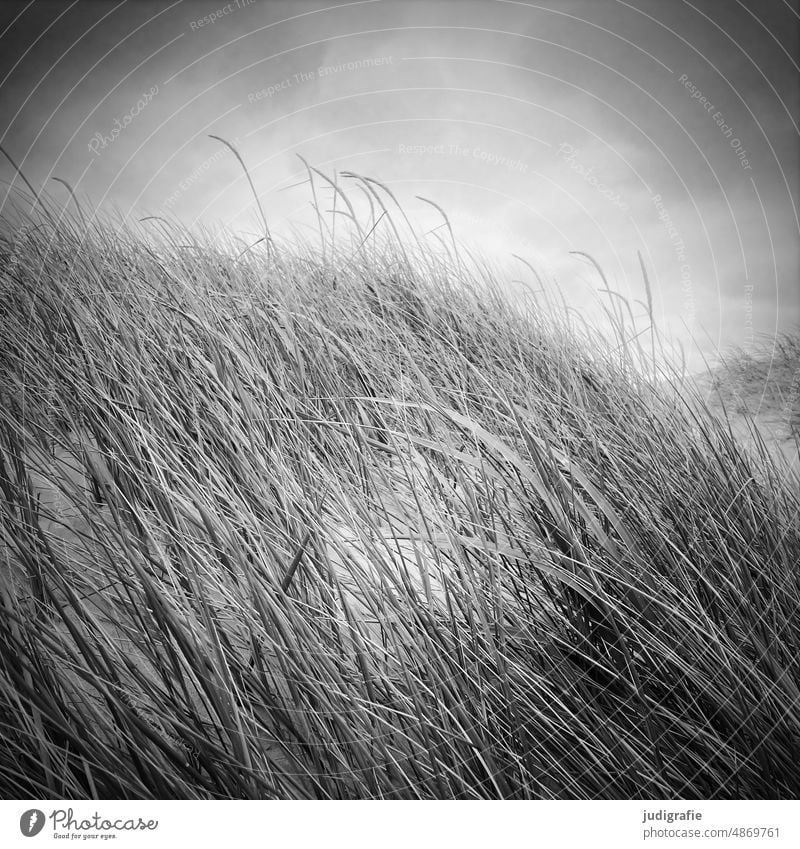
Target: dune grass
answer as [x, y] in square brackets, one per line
[285, 523]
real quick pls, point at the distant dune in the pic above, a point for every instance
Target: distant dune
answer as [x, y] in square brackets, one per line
[760, 394]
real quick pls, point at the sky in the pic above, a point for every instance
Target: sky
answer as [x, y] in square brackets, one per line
[641, 133]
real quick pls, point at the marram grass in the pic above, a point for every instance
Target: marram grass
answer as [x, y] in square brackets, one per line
[354, 525]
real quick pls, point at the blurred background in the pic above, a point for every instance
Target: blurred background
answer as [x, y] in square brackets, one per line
[599, 126]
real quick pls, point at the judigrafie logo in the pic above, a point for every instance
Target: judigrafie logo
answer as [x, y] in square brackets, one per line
[31, 822]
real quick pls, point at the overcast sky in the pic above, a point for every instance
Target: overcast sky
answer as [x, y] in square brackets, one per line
[663, 127]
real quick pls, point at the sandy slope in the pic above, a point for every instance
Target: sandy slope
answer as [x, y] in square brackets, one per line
[759, 396]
